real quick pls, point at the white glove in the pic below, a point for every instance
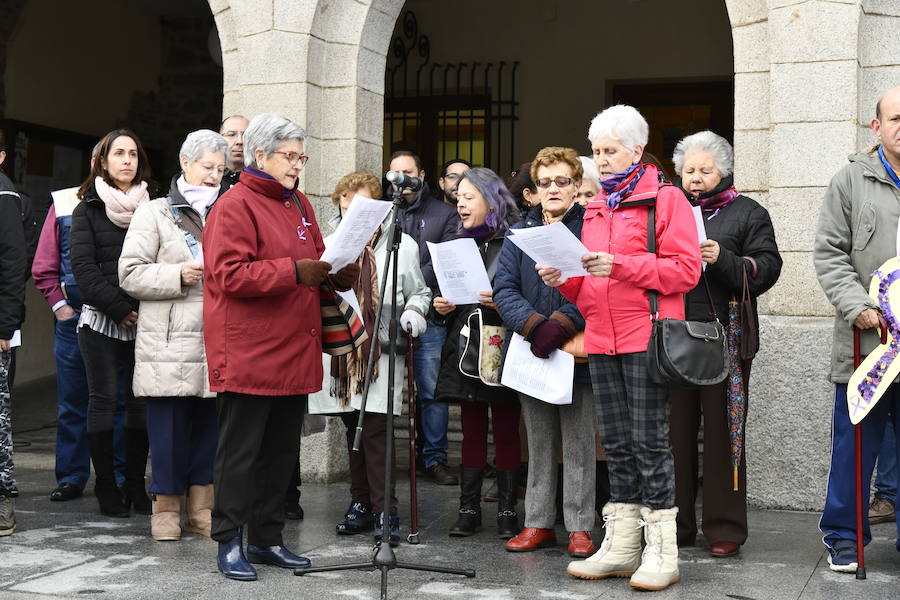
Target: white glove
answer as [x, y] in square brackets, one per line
[411, 319]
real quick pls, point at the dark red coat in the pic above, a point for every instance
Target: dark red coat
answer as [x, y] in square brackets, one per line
[262, 329]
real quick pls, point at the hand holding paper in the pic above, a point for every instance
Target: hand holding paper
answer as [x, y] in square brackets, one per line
[459, 270]
[552, 246]
[547, 379]
[354, 232]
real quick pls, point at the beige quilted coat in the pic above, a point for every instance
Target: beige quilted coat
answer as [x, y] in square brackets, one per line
[170, 359]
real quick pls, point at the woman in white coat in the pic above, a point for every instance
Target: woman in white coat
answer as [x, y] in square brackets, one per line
[162, 266]
[345, 376]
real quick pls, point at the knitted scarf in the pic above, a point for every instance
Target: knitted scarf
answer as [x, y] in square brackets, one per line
[620, 185]
[479, 232]
[348, 372]
[200, 197]
[120, 206]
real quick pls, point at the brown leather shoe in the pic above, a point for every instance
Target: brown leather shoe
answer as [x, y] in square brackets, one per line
[881, 511]
[724, 549]
[441, 474]
[580, 544]
[530, 539]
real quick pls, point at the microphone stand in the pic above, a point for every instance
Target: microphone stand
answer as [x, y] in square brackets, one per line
[384, 559]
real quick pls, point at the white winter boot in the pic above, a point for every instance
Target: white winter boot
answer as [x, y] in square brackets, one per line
[620, 553]
[659, 563]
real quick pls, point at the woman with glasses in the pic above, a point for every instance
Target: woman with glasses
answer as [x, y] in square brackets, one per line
[486, 210]
[547, 320]
[162, 266]
[263, 336]
[631, 411]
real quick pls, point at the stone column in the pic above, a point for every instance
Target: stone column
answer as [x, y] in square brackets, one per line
[811, 87]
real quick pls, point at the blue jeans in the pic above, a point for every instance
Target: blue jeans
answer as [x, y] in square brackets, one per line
[73, 459]
[838, 520]
[886, 468]
[433, 415]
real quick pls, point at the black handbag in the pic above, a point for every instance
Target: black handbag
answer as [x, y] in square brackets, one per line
[749, 327]
[681, 353]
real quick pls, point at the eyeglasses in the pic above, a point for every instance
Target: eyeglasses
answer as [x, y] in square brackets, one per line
[560, 182]
[293, 157]
[452, 176]
[233, 134]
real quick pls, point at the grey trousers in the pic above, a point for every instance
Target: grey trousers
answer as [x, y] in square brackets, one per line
[547, 426]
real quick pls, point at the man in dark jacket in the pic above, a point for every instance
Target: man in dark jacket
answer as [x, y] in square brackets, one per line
[427, 219]
[232, 129]
[13, 265]
[448, 180]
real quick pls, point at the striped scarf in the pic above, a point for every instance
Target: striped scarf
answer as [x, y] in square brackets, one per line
[348, 372]
[619, 186]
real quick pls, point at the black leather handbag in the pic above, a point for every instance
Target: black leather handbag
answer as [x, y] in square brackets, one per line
[685, 354]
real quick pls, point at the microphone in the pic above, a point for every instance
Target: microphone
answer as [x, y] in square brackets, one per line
[404, 181]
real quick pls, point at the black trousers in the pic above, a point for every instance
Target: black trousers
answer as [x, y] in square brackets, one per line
[259, 441]
[109, 367]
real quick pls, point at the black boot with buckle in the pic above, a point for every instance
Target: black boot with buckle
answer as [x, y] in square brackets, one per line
[469, 520]
[507, 517]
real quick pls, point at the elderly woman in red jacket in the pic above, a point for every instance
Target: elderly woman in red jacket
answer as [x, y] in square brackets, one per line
[632, 412]
[263, 334]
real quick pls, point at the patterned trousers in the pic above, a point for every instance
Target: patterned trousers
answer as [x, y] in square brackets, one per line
[632, 416]
[7, 483]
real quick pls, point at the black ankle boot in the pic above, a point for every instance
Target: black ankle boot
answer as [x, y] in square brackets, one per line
[137, 447]
[105, 489]
[469, 520]
[507, 517]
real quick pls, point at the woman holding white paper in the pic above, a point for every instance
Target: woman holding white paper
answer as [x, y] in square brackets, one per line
[547, 320]
[161, 265]
[342, 389]
[486, 211]
[632, 411]
[741, 240]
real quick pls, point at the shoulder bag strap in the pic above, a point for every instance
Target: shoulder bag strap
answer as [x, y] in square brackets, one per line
[651, 247]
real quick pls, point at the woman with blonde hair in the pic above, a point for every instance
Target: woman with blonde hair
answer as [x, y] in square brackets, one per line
[345, 375]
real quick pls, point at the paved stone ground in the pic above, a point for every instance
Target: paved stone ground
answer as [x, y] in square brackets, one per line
[68, 550]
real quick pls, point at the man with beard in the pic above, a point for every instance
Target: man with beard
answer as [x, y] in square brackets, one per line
[449, 179]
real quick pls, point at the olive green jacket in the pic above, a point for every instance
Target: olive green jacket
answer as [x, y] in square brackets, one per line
[856, 234]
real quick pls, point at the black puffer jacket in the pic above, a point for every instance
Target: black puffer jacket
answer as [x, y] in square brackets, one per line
[13, 259]
[742, 229]
[452, 385]
[96, 245]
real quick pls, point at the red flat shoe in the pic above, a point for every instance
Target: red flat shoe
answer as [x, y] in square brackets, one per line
[724, 549]
[581, 545]
[530, 539]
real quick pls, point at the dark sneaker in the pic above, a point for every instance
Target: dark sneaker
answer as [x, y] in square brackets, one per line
[842, 556]
[357, 519]
[7, 516]
[441, 474]
[881, 511]
[393, 530]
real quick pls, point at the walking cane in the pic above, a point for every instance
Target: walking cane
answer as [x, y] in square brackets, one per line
[857, 434]
[413, 537]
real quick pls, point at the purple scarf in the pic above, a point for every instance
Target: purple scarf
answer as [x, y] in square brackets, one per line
[720, 200]
[620, 185]
[479, 232]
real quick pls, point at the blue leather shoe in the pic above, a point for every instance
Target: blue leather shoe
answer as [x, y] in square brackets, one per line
[232, 561]
[357, 519]
[276, 555]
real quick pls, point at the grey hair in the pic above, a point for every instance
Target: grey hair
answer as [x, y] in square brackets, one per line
[590, 169]
[267, 132]
[197, 142]
[706, 141]
[622, 123]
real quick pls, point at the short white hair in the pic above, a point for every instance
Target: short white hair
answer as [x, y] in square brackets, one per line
[267, 132]
[705, 141]
[622, 123]
[198, 142]
[590, 169]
